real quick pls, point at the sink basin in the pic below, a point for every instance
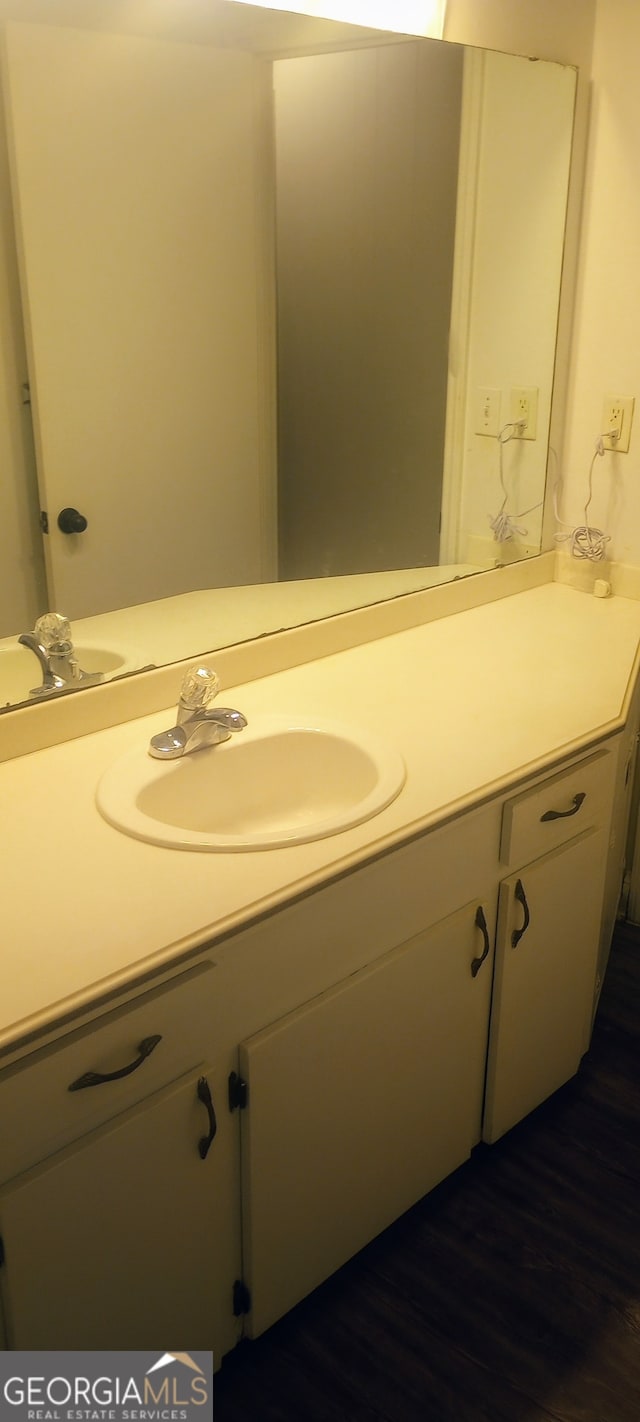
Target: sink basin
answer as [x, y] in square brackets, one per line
[272, 785]
[19, 670]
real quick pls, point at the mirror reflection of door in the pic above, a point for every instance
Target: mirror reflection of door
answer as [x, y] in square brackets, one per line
[366, 185]
[140, 289]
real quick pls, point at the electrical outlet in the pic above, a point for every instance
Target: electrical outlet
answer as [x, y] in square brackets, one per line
[488, 411]
[617, 415]
[524, 406]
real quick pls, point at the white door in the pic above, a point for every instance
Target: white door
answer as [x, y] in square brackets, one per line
[358, 1103]
[546, 957]
[129, 1235]
[143, 254]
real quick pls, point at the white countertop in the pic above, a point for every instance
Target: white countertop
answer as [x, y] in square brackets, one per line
[473, 702]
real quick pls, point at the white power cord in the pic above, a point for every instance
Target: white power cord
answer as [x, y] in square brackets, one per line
[504, 525]
[584, 541]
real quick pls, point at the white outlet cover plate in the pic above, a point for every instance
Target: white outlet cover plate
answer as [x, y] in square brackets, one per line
[487, 415]
[614, 409]
[525, 396]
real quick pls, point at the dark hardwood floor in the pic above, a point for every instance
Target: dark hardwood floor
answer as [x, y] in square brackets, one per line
[510, 1294]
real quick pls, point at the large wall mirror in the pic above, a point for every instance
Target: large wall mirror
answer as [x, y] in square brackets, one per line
[274, 290]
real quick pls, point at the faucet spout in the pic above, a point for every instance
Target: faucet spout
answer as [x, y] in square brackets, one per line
[224, 717]
[51, 643]
[197, 726]
[29, 639]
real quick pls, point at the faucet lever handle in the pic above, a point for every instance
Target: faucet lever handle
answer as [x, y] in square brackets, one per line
[199, 688]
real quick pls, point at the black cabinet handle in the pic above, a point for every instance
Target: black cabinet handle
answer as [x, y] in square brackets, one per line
[565, 814]
[522, 899]
[70, 521]
[204, 1095]
[481, 923]
[97, 1078]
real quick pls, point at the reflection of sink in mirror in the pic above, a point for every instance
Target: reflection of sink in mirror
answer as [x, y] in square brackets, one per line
[20, 672]
[277, 784]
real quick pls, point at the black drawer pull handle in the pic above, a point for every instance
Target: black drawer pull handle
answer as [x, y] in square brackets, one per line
[481, 923]
[204, 1095]
[565, 814]
[97, 1078]
[522, 899]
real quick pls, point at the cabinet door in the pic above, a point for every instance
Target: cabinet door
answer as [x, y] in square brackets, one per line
[546, 954]
[618, 861]
[128, 1236]
[358, 1103]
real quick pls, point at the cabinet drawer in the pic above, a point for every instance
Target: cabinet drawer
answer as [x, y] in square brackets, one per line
[556, 809]
[38, 1112]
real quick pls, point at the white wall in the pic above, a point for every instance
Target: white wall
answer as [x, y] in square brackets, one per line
[606, 346]
[549, 29]
[603, 38]
[523, 122]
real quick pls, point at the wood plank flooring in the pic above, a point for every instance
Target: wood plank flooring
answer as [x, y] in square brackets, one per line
[510, 1294]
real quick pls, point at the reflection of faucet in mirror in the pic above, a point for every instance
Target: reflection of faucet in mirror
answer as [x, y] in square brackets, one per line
[196, 726]
[52, 644]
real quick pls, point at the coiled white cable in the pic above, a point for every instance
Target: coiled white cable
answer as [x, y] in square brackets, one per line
[502, 524]
[584, 541]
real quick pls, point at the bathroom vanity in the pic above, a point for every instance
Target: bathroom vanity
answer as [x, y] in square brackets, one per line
[287, 1048]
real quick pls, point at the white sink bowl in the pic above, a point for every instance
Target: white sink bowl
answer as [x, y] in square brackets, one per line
[272, 785]
[20, 672]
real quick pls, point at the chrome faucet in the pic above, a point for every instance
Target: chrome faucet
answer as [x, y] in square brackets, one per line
[51, 643]
[197, 726]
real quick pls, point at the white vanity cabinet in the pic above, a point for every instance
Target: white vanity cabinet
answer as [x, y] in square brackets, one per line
[119, 1207]
[361, 1018]
[549, 921]
[358, 1103]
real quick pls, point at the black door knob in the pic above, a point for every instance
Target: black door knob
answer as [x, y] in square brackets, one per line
[70, 521]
